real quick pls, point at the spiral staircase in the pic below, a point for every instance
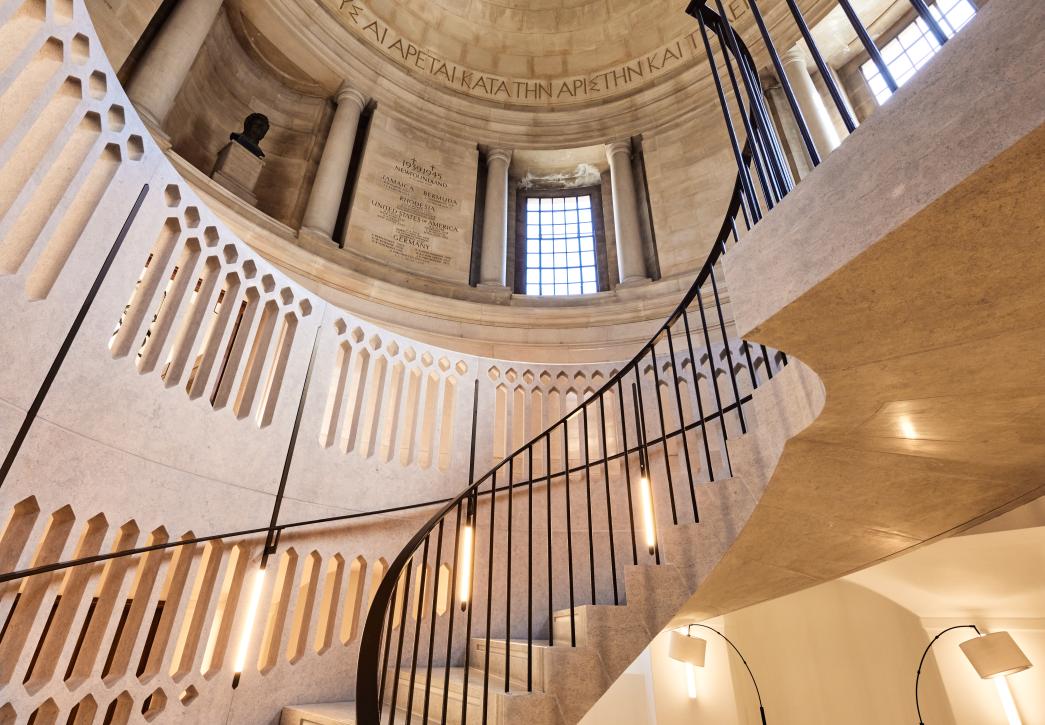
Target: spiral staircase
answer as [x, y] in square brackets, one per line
[901, 280]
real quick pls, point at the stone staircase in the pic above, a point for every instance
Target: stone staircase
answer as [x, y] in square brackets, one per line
[567, 681]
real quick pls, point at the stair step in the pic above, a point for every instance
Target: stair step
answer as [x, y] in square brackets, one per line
[454, 688]
[334, 713]
[517, 649]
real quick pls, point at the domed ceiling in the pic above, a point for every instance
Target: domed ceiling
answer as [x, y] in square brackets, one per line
[537, 38]
[527, 52]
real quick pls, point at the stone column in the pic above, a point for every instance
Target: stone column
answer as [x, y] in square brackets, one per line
[630, 259]
[165, 66]
[494, 253]
[325, 199]
[810, 102]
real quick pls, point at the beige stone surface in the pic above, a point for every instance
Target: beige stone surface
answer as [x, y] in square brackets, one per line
[414, 201]
[237, 169]
[919, 436]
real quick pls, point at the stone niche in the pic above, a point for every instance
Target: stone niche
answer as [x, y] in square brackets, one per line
[227, 82]
[414, 201]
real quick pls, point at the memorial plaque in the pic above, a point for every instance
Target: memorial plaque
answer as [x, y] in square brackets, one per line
[414, 204]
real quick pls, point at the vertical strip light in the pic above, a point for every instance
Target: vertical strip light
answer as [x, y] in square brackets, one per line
[648, 521]
[248, 623]
[1007, 703]
[464, 585]
[464, 563]
[691, 681]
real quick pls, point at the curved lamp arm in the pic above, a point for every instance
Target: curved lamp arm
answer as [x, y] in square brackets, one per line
[918, 675]
[761, 710]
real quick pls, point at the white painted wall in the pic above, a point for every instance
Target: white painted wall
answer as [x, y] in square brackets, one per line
[847, 651]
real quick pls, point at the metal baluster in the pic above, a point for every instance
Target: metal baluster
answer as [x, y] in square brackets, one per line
[609, 505]
[529, 573]
[470, 515]
[803, 128]
[711, 362]
[508, 581]
[750, 365]
[569, 527]
[417, 627]
[682, 426]
[548, 479]
[868, 43]
[433, 618]
[785, 181]
[821, 65]
[760, 160]
[751, 211]
[627, 471]
[388, 647]
[402, 633]
[765, 359]
[729, 354]
[663, 435]
[489, 590]
[696, 393]
[587, 484]
[452, 612]
[923, 10]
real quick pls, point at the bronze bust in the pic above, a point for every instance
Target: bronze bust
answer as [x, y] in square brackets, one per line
[255, 127]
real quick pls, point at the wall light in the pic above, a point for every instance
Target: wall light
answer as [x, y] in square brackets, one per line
[464, 563]
[692, 650]
[649, 524]
[248, 625]
[993, 656]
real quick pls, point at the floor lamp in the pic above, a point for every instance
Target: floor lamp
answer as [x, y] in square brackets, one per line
[993, 655]
[689, 649]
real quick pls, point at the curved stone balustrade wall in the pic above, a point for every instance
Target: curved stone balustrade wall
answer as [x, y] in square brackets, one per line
[171, 410]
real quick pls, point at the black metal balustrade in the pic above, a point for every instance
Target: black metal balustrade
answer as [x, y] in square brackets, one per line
[552, 526]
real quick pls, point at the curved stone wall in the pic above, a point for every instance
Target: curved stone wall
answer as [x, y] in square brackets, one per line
[155, 363]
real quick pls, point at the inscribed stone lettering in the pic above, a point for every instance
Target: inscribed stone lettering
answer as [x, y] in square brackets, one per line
[415, 200]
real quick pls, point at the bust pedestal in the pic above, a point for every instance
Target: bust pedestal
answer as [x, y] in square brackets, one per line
[237, 169]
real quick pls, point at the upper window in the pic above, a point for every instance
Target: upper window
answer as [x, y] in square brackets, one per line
[558, 242]
[915, 45]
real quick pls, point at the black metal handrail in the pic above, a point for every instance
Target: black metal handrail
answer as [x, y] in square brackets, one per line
[458, 518]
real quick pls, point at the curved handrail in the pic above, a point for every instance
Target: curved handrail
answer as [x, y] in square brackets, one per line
[369, 670]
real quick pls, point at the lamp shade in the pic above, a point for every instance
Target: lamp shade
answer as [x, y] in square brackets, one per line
[995, 654]
[687, 649]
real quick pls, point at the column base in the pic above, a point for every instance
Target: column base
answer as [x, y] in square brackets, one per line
[500, 291]
[629, 282]
[316, 236]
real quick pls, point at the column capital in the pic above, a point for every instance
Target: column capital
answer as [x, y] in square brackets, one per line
[618, 147]
[349, 93]
[796, 55]
[504, 155]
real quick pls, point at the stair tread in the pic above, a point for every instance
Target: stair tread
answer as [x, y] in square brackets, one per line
[336, 713]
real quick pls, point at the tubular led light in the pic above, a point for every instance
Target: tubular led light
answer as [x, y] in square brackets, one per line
[248, 624]
[1007, 703]
[691, 681]
[647, 514]
[465, 566]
